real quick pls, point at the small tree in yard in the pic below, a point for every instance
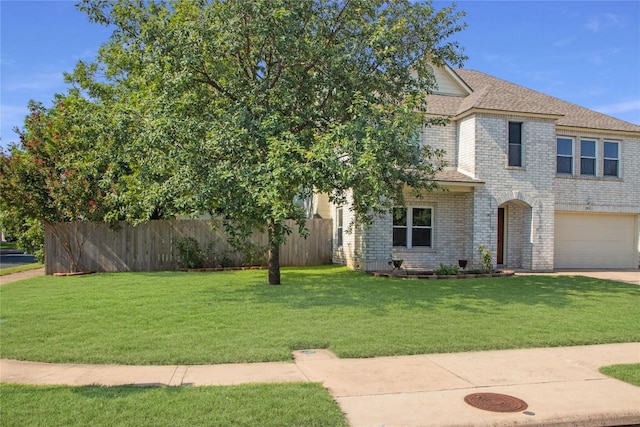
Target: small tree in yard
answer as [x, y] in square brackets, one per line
[53, 175]
[257, 104]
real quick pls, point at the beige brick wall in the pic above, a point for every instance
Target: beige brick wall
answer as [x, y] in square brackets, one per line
[449, 227]
[350, 252]
[443, 137]
[531, 185]
[598, 194]
[478, 146]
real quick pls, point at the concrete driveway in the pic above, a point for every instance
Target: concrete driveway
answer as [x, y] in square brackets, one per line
[627, 276]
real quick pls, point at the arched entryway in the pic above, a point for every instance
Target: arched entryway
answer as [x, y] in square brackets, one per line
[514, 231]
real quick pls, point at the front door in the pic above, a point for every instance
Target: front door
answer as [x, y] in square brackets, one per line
[500, 251]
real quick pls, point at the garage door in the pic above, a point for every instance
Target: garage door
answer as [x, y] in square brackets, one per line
[595, 241]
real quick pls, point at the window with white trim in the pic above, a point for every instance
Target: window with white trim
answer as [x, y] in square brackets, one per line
[611, 159]
[413, 227]
[588, 158]
[564, 155]
[515, 144]
[339, 227]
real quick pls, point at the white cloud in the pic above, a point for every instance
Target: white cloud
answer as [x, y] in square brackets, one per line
[612, 20]
[564, 42]
[7, 62]
[86, 55]
[33, 82]
[600, 57]
[12, 113]
[12, 116]
[593, 25]
[603, 22]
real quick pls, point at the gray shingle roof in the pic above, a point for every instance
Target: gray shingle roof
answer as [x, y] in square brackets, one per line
[455, 176]
[492, 93]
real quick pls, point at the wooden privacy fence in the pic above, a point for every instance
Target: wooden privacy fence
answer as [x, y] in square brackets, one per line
[151, 246]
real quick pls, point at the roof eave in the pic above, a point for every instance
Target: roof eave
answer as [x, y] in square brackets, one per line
[460, 183]
[550, 116]
[567, 128]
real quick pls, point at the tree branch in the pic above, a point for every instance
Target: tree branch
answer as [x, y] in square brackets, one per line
[206, 79]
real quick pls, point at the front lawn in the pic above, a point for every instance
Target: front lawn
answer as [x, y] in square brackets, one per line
[629, 373]
[244, 405]
[201, 318]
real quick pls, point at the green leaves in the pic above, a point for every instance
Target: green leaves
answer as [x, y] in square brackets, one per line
[54, 174]
[243, 108]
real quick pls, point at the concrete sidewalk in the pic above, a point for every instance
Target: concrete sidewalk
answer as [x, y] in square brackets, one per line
[562, 386]
[10, 278]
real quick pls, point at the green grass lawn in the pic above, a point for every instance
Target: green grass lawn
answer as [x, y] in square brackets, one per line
[629, 373]
[244, 405]
[200, 318]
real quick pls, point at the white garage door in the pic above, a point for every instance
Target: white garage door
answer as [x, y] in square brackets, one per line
[595, 241]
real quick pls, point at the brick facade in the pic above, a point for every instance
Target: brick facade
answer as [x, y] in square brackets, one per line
[530, 196]
[476, 142]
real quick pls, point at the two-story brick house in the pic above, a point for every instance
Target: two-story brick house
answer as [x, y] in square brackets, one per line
[542, 183]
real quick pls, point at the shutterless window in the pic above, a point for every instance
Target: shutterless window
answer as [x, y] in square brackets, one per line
[421, 227]
[399, 227]
[564, 157]
[340, 226]
[587, 157]
[515, 144]
[611, 159]
[412, 227]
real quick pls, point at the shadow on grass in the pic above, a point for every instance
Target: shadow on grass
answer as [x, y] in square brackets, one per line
[115, 392]
[343, 288]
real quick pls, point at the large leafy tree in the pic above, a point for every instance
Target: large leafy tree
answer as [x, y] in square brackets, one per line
[242, 108]
[56, 173]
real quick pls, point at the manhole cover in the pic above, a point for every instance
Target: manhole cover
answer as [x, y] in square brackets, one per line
[496, 402]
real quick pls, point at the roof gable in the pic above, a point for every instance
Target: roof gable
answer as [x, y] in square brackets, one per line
[494, 94]
[449, 83]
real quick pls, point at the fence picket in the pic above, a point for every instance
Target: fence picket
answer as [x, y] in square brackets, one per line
[151, 246]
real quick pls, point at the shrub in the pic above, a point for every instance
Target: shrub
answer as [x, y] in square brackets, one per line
[251, 254]
[189, 253]
[486, 258]
[447, 270]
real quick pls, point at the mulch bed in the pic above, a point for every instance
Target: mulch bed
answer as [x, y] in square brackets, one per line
[253, 267]
[408, 274]
[77, 273]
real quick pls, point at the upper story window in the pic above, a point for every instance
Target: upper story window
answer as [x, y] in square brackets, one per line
[515, 144]
[588, 159]
[611, 159]
[564, 157]
[413, 227]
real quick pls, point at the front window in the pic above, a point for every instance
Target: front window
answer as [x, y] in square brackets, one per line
[587, 157]
[399, 227]
[413, 227]
[515, 144]
[564, 159]
[611, 159]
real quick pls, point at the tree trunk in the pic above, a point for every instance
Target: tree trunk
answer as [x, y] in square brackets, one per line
[275, 231]
[274, 264]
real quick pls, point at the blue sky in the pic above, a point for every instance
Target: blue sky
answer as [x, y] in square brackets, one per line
[585, 52]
